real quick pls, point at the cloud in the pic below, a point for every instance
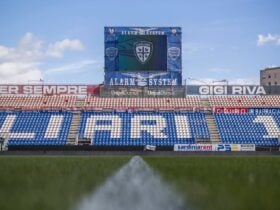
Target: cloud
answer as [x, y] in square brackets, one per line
[29, 48]
[268, 39]
[57, 49]
[71, 67]
[17, 72]
[24, 61]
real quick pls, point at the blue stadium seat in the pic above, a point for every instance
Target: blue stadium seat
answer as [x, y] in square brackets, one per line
[142, 128]
[249, 128]
[35, 127]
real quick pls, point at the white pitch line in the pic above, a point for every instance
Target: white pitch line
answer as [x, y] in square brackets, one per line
[134, 187]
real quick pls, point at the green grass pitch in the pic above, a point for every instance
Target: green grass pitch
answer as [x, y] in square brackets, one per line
[223, 183]
[205, 182]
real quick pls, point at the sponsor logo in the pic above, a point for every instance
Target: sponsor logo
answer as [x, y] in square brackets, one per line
[235, 147]
[125, 93]
[174, 53]
[137, 79]
[261, 111]
[231, 110]
[247, 147]
[193, 147]
[111, 53]
[159, 93]
[224, 147]
[143, 51]
[174, 31]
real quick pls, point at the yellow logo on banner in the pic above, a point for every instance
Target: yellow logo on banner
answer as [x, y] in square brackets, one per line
[234, 147]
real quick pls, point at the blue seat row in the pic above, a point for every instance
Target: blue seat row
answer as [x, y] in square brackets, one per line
[145, 130]
[35, 128]
[259, 129]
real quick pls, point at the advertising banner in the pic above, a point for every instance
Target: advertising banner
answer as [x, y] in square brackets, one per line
[232, 90]
[247, 147]
[143, 79]
[49, 89]
[193, 147]
[229, 110]
[126, 91]
[214, 147]
[264, 111]
[234, 147]
[175, 91]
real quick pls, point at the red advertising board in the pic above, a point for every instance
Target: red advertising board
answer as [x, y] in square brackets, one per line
[49, 89]
[229, 110]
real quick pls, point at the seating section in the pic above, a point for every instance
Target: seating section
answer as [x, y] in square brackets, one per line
[245, 101]
[249, 128]
[37, 102]
[142, 128]
[142, 103]
[138, 121]
[35, 128]
[11, 102]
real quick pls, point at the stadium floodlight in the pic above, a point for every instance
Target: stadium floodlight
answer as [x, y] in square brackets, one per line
[40, 81]
[223, 80]
[201, 81]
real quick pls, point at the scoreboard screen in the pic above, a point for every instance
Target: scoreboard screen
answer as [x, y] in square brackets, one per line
[142, 52]
[143, 56]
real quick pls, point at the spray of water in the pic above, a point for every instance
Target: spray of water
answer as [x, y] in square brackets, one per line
[134, 187]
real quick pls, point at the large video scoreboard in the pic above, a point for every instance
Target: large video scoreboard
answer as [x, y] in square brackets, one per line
[143, 56]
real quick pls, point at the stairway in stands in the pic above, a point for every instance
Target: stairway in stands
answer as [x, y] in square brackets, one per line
[76, 118]
[214, 134]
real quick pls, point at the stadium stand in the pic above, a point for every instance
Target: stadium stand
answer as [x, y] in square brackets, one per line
[249, 128]
[142, 103]
[245, 101]
[143, 128]
[11, 102]
[61, 120]
[35, 127]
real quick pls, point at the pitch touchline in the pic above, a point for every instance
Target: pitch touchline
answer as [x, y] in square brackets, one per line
[134, 187]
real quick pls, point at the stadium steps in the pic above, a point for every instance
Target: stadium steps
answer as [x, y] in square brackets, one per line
[214, 134]
[80, 103]
[205, 102]
[73, 131]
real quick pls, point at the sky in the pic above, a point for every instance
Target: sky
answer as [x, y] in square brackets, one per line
[62, 41]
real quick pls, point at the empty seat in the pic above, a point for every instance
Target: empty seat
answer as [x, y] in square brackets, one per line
[143, 128]
[35, 127]
[259, 129]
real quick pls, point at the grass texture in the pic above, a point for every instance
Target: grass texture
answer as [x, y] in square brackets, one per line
[50, 183]
[220, 183]
[204, 182]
